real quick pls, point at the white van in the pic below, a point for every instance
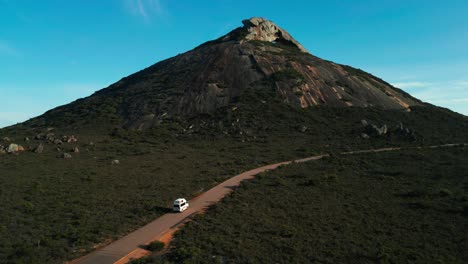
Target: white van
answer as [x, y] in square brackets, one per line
[180, 205]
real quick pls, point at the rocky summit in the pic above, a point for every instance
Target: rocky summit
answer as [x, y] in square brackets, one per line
[257, 56]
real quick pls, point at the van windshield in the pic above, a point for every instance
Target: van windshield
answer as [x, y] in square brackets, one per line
[176, 205]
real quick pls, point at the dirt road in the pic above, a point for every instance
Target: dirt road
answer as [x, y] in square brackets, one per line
[128, 247]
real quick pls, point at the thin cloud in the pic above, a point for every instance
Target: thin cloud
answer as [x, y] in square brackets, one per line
[411, 84]
[452, 100]
[450, 94]
[146, 9]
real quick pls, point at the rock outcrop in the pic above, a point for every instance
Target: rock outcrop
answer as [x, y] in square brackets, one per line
[264, 30]
[373, 130]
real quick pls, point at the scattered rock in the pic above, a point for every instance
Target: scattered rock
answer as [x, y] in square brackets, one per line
[66, 156]
[72, 139]
[58, 142]
[20, 148]
[6, 139]
[50, 137]
[12, 148]
[115, 162]
[40, 136]
[303, 129]
[2, 149]
[364, 122]
[76, 150]
[39, 149]
[26, 139]
[401, 130]
[375, 130]
[69, 139]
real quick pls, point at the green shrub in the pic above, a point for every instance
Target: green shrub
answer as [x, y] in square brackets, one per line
[445, 192]
[155, 246]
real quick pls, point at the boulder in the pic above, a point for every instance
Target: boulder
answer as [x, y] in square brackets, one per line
[6, 139]
[12, 148]
[40, 136]
[39, 149]
[66, 156]
[2, 149]
[76, 150]
[384, 129]
[401, 130]
[375, 130]
[115, 162]
[364, 136]
[26, 139]
[303, 129]
[364, 122]
[50, 137]
[71, 139]
[58, 142]
[20, 148]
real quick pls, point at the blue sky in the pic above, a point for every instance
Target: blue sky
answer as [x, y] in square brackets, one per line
[53, 52]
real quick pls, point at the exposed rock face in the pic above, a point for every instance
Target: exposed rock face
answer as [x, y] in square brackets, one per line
[265, 30]
[258, 56]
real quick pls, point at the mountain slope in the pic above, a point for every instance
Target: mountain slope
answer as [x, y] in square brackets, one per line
[259, 55]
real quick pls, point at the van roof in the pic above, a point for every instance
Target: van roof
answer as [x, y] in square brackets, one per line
[179, 200]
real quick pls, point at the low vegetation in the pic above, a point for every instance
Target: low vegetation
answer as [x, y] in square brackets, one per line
[155, 246]
[408, 206]
[56, 209]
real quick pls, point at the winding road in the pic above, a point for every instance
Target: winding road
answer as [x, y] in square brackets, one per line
[128, 247]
